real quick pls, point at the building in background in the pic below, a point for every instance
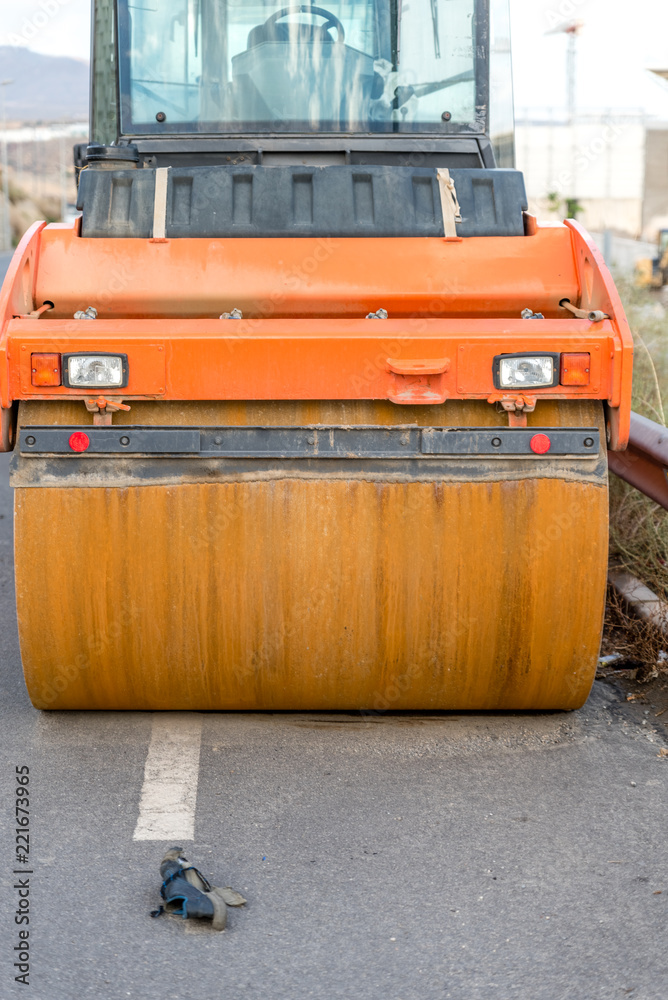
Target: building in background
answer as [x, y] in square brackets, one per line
[43, 112]
[655, 204]
[608, 167]
[593, 168]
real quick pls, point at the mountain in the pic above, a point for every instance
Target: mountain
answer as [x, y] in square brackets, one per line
[45, 88]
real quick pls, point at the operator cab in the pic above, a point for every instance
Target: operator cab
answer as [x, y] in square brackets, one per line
[355, 65]
[348, 68]
[295, 70]
[297, 120]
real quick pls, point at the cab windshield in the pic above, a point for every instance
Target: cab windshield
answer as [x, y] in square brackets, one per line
[348, 66]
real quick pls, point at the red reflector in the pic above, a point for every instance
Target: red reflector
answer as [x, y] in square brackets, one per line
[540, 444]
[79, 441]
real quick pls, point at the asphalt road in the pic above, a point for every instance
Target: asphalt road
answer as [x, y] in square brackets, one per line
[514, 857]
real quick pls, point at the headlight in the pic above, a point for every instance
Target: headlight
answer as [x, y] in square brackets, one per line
[526, 371]
[95, 371]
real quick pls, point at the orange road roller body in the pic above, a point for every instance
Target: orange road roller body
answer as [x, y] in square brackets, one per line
[303, 586]
[454, 304]
[308, 411]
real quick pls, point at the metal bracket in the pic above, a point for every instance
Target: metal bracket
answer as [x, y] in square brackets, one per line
[418, 381]
[516, 407]
[103, 409]
[593, 315]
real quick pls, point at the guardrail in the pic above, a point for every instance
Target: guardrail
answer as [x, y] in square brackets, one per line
[644, 464]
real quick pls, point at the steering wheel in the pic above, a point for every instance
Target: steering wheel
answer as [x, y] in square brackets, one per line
[331, 20]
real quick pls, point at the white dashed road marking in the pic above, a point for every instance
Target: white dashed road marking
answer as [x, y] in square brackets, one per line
[169, 793]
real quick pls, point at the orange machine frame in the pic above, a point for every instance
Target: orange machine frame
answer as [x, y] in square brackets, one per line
[453, 304]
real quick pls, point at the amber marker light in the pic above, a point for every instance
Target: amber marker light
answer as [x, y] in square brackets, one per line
[575, 369]
[45, 369]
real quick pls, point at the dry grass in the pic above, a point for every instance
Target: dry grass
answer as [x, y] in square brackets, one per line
[26, 209]
[647, 313]
[640, 644]
[638, 526]
[639, 536]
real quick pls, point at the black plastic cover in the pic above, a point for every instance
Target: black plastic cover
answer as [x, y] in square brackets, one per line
[292, 201]
[98, 153]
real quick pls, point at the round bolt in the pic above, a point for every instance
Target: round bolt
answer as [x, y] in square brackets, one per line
[125, 441]
[30, 440]
[446, 116]
[161, 117]
[496, 442]
[589, 442]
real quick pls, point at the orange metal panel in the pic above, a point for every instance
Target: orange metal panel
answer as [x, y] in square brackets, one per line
[146, 370]
[473, 369]
[458, 300]
[272, 278]
[306, 359]
[598, 291]
[17, 296]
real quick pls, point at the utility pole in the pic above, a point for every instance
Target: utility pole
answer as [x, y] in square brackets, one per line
[6, 227]
[63, 178]
[571, 29]
[19, 163]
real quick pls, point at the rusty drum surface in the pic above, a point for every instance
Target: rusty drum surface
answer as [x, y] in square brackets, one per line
[480, 588]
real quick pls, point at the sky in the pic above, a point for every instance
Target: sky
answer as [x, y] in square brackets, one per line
[618, 44]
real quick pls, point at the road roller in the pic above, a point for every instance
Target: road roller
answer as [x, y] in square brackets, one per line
[308, 411]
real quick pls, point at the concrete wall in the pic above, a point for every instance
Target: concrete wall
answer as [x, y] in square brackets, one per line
[599, 160]
[655, 208]
[622, 254]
